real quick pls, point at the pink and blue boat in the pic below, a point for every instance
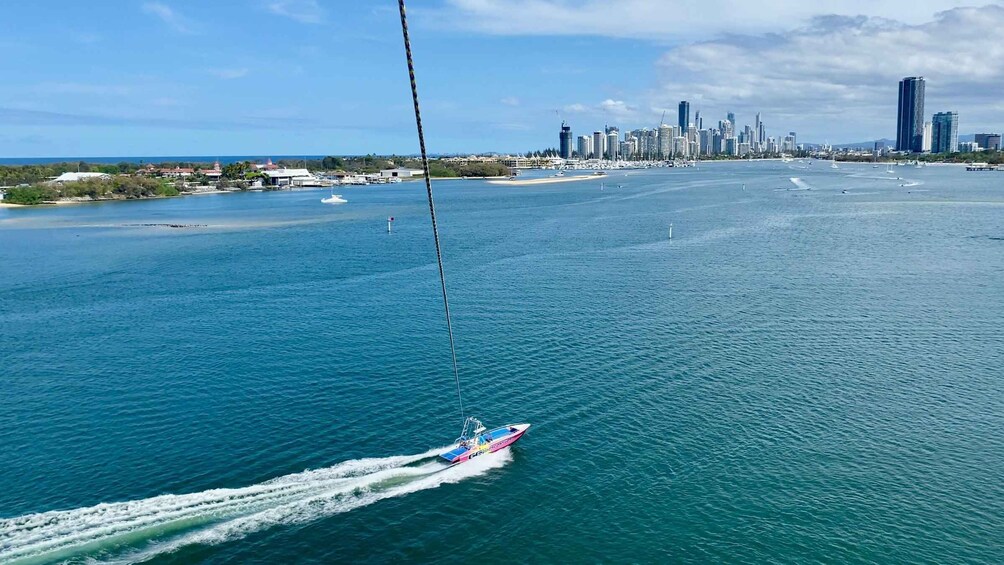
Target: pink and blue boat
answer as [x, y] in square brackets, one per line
[477, 440]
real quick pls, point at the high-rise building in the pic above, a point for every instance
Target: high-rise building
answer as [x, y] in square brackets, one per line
[925, 146]
[698, 120]
[731, 117]
[989, 141]
[599, 144]
[684, 115]
[565, 141]
[910, 118]
[945, 132]
[585, 146]
[612, 143]
[665, 141]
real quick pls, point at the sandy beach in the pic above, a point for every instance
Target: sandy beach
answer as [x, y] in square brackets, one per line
[546, 180]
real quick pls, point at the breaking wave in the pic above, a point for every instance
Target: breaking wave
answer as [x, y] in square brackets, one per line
[138, 530]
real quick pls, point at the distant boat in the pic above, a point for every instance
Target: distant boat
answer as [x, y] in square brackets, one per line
[599, 173]
[833, 164]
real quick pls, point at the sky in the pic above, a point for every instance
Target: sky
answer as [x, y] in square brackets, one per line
[320, 77]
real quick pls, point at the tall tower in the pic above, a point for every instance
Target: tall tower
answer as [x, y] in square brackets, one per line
[945, 132]
[910, 118]
[565, 141]
[684, 120]
[599, 144]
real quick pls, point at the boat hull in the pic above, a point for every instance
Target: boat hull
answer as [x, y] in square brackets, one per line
[488, 442]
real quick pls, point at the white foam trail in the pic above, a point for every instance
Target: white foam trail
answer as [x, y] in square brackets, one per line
[219, 515]
[800, 183]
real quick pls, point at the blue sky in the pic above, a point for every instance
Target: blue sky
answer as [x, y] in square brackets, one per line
[272, 77]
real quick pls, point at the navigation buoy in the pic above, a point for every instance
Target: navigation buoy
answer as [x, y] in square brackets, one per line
[670, 231]
[390, 220]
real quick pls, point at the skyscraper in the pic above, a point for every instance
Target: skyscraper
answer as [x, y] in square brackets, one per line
[565, 141]
[599, 144]
[698, 121]
[945, 132]
[585, 146]
[910, 119]
[684, 120]
[612, 143]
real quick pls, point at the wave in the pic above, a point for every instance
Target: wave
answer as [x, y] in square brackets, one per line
[134, 531]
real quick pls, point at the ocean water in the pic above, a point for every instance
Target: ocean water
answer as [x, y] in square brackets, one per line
[809, 371]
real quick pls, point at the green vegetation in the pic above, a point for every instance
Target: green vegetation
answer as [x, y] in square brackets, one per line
[990, 157]
[114, 188]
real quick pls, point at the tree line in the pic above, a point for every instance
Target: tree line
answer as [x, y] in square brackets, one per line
[112, 188]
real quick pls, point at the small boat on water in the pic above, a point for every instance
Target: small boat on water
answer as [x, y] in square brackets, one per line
[334, 199]
[476, 440]
[599, 173]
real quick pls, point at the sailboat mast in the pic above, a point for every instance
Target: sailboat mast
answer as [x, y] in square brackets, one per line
[432, 205]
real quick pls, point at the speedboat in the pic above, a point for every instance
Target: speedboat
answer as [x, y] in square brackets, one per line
[334, 199]
[476, 440]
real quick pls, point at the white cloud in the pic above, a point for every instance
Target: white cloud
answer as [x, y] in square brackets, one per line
[169, 16]
[229, 74]
[659, 19]
[837, 77]
[617, 108]
[609, 108]
[510, 101]
[303, 11]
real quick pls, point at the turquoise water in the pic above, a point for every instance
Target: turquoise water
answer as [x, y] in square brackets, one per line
[798, 376]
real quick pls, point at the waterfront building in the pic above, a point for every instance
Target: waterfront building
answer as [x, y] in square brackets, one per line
[585, 146]
[731, 145]
[684, 115]
[565, 141]
[910, 117]
[925, 145]
[731, 117]
[652, 143]
[945, 132]
[599, 144]
[968, 147]
[612, 143]
[704, 145]
[744, 149]
[698, 120]
[989, 141]
[665, 141]
[679, 146]
[788, 144]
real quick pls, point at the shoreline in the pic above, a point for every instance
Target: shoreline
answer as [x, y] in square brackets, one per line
[546, 180]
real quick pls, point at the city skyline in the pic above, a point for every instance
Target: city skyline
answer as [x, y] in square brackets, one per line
[175, 77]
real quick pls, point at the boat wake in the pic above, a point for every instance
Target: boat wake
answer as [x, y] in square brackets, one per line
[135, 531]
[800, 184]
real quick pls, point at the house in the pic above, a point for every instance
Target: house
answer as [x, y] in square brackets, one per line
[215, 173]
[290, 177]
[400, 173]
[74, 177]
